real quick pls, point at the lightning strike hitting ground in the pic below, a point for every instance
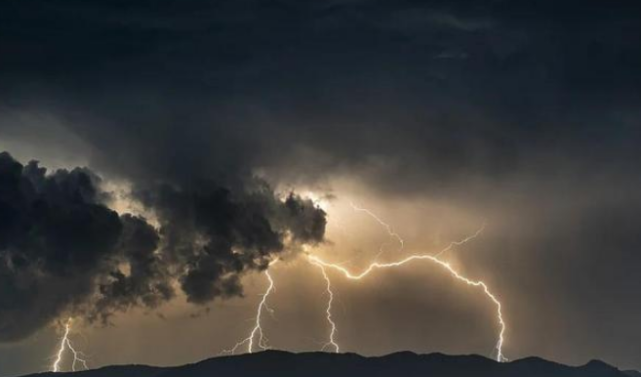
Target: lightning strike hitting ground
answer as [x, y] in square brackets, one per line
[447, 266]
[328, 310]
[257, 330]
[427, 257]
[65, 343]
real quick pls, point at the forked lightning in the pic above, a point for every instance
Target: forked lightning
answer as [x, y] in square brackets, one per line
[323, 265]
[257, 330]
[447, 266]
[65, 343]
[415, 257]
[328, 311]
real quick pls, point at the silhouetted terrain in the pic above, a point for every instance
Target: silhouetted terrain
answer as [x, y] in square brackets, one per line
[285, 364]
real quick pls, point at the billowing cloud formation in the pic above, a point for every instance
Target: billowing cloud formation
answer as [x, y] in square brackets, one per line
[215, 234]
[63, 251]
[147, 281]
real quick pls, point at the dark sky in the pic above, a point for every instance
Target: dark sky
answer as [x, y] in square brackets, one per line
[202, 117]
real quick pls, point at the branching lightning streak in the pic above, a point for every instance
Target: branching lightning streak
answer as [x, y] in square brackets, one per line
[257, 330]
[461, 242]
[328, 310]
[432, 258]
[65, 343]
[388, 227]
[447, 266]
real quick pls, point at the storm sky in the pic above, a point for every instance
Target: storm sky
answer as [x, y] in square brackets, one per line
[158, 155]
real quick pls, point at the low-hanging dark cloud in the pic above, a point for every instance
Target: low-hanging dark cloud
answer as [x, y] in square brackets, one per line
[54, 239]
[62, 251]
[215, 234]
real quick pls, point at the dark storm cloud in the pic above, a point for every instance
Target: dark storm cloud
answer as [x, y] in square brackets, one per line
[147, 282]
[488, 89]
[234, 232]
[63, 252]
[54, 239]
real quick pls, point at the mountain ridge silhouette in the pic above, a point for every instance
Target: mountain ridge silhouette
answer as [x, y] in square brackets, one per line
[311, 364]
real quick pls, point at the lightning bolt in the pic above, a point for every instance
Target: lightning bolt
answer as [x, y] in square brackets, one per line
[257, 330]
[328, 310]
[424, 257]
[390, 230]
[65, 343]
[445, 265]
[461, 242]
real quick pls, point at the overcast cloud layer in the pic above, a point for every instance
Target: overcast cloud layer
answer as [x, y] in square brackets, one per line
[526, 113]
